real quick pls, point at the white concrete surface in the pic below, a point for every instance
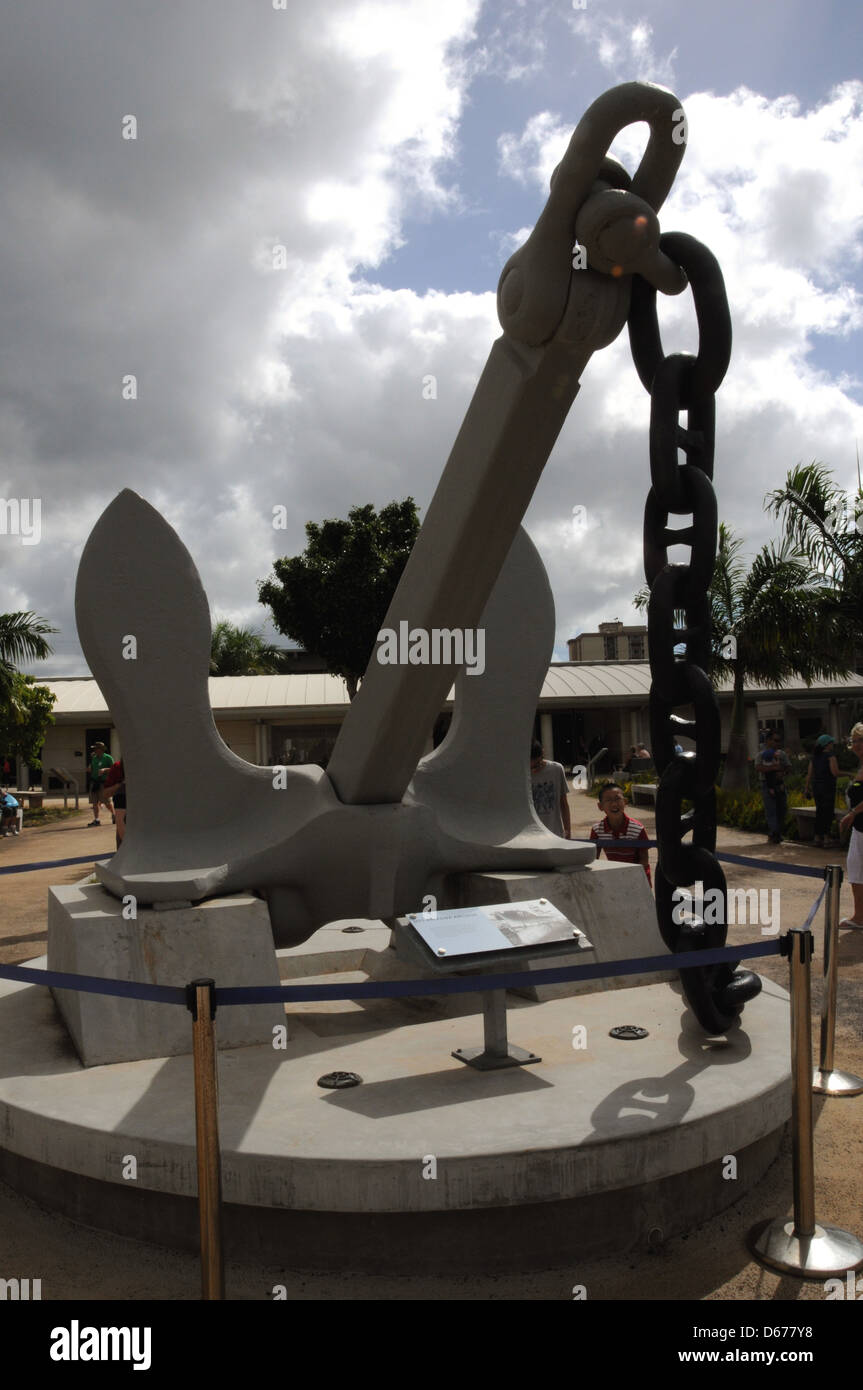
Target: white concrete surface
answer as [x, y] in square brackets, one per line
[586, 1119]
[228, 939]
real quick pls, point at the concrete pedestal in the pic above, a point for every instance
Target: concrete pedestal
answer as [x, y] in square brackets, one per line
[229, 939]
[585, 1153]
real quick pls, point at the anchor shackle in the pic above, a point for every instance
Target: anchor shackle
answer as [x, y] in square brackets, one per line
[535, 283]
[620, 233]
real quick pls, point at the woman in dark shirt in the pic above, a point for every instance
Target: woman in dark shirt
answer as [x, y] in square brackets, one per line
[854, 819]
[821, 783]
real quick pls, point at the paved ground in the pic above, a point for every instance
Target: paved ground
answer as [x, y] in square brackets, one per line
[23, 897]
[710, 1263]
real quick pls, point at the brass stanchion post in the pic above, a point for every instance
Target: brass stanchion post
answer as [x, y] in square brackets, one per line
[826, 1081]
[802, 1246]
[201, 1000]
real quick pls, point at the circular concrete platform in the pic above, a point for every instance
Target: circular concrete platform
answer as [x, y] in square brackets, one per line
[429, 1163]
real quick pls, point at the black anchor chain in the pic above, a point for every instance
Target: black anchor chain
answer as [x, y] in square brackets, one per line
[716, 994]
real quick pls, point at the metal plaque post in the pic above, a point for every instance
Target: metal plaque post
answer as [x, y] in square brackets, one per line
[497, 1051]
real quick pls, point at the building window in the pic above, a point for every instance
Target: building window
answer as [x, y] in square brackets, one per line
[610, 645]
[636, 648]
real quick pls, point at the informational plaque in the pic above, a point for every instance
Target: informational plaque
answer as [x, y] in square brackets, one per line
[471, 931]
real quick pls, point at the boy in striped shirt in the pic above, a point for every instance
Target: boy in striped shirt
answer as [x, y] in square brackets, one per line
[616, 824]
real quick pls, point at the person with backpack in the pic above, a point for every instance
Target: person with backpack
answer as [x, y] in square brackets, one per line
[8, 814]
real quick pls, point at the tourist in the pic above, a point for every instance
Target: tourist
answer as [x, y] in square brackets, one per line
[821, 777]
[772, 765]
[617, 825]
[548, 786]
[641, 760]
[115, 788]
[854, 822]
[99, 765]
[8, 814]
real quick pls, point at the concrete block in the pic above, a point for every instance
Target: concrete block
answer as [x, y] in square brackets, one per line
[229, 939]
[611, 903]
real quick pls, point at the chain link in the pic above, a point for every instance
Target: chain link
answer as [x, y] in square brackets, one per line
[679, 382]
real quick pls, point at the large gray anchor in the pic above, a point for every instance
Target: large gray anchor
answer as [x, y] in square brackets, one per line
[383, 825]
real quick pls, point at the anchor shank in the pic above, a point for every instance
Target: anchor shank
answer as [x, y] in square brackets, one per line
[512, 423]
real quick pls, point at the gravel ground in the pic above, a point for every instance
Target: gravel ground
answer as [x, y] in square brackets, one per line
[710, 1263]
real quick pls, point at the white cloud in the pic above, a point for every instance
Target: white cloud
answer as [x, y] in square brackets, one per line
[302, 386]
[505, 243]
[531, 158]
[305, 129]
[625, 49]
[514, 46]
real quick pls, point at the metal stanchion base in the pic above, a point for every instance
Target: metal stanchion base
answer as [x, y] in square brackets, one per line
[484, 1060]
[828, 1251]
[836, 1083]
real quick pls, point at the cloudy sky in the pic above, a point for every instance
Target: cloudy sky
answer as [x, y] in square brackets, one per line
[394, 154]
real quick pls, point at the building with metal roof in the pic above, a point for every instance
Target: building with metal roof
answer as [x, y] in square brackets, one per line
[582, 707]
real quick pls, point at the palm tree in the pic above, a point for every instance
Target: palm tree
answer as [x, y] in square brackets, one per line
[237, 651]
[818, 519]
[22, 638]
[778, 620]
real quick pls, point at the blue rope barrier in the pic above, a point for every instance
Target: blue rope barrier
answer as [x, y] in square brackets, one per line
[95, 984]
[608, 841]
[49, 864]
[94, 858]
[604, 842]
[472, 984]
[772, 866]
[260, 994]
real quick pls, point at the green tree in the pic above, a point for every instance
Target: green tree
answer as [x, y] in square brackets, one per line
[237, 651]
[25, 719]
[22, 638]
[333, 598]
[827, 526]
[774, 621]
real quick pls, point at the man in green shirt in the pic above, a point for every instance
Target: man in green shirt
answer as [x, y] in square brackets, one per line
[100, 763]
